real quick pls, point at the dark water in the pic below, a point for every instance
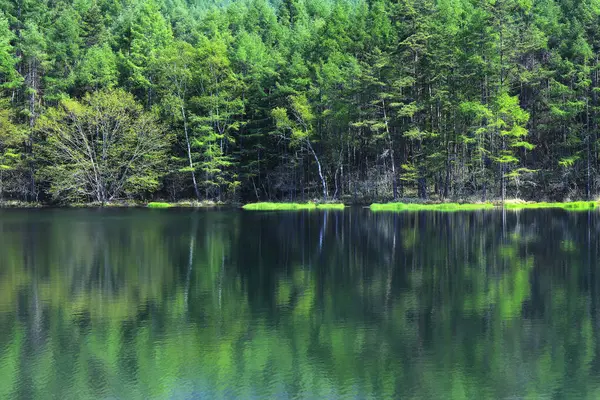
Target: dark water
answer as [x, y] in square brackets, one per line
[151, 304]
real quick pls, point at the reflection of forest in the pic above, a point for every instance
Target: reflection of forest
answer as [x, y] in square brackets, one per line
[139, 304]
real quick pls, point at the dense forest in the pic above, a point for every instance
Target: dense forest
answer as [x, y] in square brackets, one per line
[105, 100]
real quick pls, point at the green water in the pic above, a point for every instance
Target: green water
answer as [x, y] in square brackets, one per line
[180, 304]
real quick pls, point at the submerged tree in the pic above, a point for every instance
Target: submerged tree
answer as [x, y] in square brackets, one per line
[102, 148]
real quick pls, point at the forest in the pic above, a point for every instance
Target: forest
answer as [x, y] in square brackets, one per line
[289, 100]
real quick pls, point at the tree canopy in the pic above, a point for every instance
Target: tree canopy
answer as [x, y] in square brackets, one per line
[294, 100]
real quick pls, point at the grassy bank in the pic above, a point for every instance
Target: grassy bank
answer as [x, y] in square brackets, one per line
[447, 207]
[157, 204]
[19, 204]
[571, 206]
[185, 204]
[117, 204]
[268, 206]
[274, 206]
[509, 205]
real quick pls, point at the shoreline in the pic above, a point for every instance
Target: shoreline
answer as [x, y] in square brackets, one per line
[291, 206]
[514, 205]
[150, 205]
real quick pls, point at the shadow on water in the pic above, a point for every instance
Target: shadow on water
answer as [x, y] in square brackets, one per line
[183, 304]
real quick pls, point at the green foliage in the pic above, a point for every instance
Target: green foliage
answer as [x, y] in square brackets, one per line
[361, 100]
[98, 69]
[12, 136]
[146, 34]
[299, 130]
[218, 117]
[9, 77]
[102, 148]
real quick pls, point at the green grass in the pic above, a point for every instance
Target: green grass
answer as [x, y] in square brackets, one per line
[157, 204]
[447, 207]
[268, 206]
[571, 206]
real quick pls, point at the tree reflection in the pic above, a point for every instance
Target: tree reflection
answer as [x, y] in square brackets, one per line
[139, 304]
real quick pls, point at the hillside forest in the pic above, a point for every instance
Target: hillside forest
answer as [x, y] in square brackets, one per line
[248, 100]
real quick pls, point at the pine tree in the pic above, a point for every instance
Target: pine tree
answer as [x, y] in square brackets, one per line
[176, 84]
[97, 69]
[145, 36]
[93, 29]
[9, 77]
[217, 117]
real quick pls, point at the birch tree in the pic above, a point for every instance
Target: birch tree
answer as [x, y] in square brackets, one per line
[102, 148]
[299, 130]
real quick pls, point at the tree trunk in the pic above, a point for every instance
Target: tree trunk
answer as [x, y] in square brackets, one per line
[588, 191]
[323, 182]
[189, 153]
[503, 182]
[391, 151]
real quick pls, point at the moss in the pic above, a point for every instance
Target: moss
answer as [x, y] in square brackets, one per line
[267, 206]
[571, 206]
[157, 204]
[447, 207]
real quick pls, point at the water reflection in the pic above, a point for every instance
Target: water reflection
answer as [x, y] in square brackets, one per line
[178, 304]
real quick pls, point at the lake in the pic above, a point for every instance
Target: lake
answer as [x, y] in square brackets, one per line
[180, 304]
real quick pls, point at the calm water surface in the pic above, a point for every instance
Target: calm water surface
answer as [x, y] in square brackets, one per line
[166, 304]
